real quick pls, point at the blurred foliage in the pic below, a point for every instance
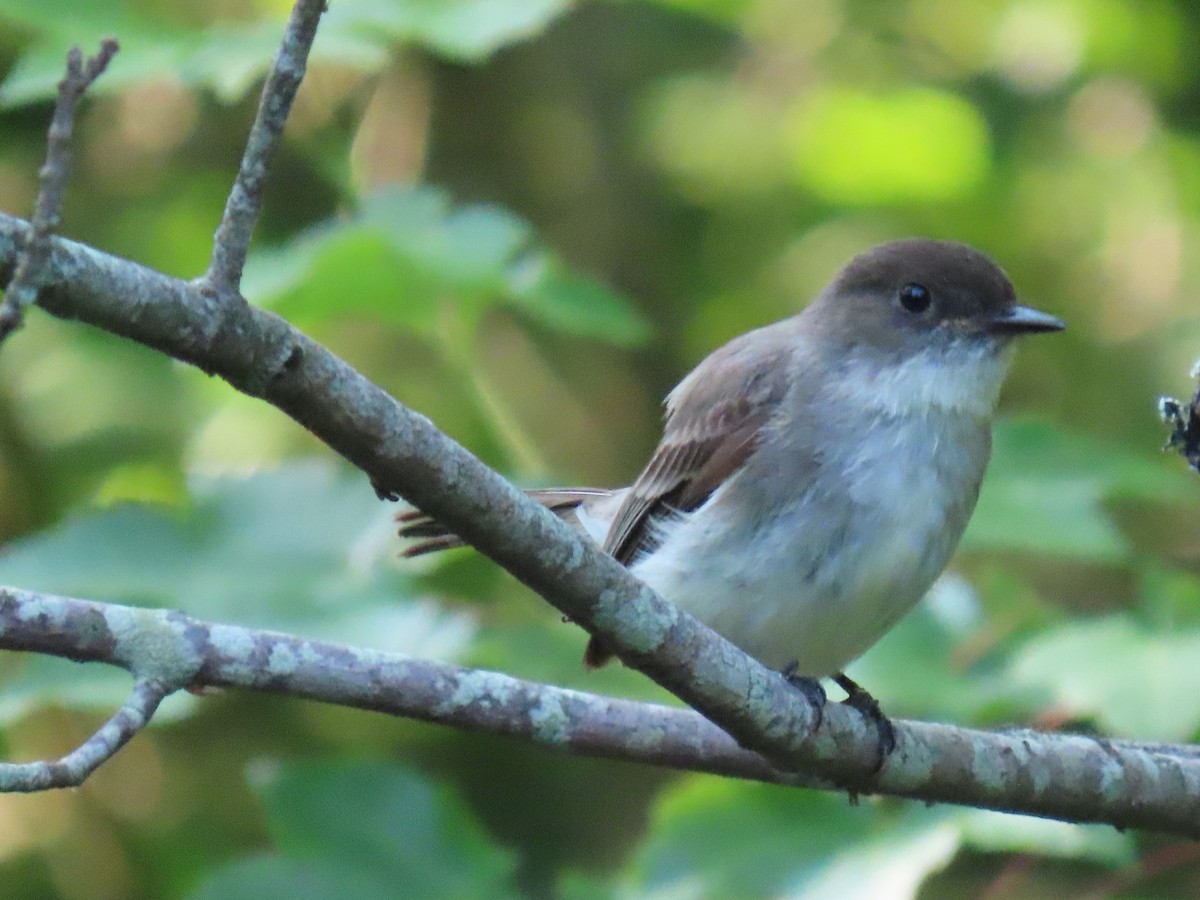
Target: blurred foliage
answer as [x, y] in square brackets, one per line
[483, 204]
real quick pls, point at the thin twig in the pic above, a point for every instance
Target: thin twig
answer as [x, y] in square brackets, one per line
[74, 768]
[31, 272]
[232, 239]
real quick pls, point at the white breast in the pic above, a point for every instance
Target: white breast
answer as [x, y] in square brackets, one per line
[818, 572]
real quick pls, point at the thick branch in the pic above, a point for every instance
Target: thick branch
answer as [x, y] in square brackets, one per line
[74, 768]
[215, 655]
[182, 648]
[30, 275]
[232, 239]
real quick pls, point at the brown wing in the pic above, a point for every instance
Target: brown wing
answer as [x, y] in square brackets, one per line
[715, 420]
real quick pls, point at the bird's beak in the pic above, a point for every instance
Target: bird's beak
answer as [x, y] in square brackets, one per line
[1019, 319]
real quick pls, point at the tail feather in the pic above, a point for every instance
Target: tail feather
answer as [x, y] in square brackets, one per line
[431, 536]
[432, 545]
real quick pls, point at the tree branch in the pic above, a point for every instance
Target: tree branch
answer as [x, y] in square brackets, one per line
[74, 768]
[232, 239]
[30, 275]
[207, 654]
[186, 651]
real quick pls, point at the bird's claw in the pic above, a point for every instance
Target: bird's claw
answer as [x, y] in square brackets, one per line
[810, 687]
[861, 700]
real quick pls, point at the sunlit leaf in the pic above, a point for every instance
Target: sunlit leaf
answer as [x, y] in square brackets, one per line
[993, 832]
[1107, 670]
[894, 864]
[908, 144]
[230, 58]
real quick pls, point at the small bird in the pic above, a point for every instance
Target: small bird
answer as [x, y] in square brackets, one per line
[814, 476]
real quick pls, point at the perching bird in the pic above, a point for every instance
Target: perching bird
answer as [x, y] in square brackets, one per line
[815, 476]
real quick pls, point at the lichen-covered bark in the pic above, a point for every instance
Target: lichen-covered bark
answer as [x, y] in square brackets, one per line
[1061, 776]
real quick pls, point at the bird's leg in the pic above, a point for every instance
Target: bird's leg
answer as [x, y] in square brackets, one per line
[809, 687]
[861, 700]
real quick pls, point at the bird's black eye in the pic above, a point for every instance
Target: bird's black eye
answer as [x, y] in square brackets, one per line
[915, 298]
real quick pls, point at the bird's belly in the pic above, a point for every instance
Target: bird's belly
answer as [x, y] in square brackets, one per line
[813, 586]
[777, 618]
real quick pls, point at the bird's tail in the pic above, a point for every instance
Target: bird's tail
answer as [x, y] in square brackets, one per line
[430, 536]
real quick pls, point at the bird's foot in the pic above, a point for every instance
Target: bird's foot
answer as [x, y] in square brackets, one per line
[811, 689]
[861, 700]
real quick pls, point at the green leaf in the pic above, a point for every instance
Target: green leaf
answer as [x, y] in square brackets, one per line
[230, 58]
[894, 864]
[226, 58]
[272, 878]
[912, 671]
[145, 55]
[1045, 488]
[40, 681]
[465, 30]
[409, 251]
[908, 144]
[1105, 669]
[714, 838]
[994, 832]
[467, 249]
[343, 270]
[304, 549]
[718, 838]
[364, 831]
[575, 305]
[400, 834]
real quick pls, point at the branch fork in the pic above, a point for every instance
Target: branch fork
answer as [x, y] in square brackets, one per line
[31, 271]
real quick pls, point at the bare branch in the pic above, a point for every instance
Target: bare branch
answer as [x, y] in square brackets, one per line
[195, 654]
[74, 768]
[30, 275]
[232, 239]
[1062, 776]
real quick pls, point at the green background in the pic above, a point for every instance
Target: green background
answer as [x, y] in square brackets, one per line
[527, 219]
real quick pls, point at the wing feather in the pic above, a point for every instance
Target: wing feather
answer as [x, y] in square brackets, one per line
[715, 420]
